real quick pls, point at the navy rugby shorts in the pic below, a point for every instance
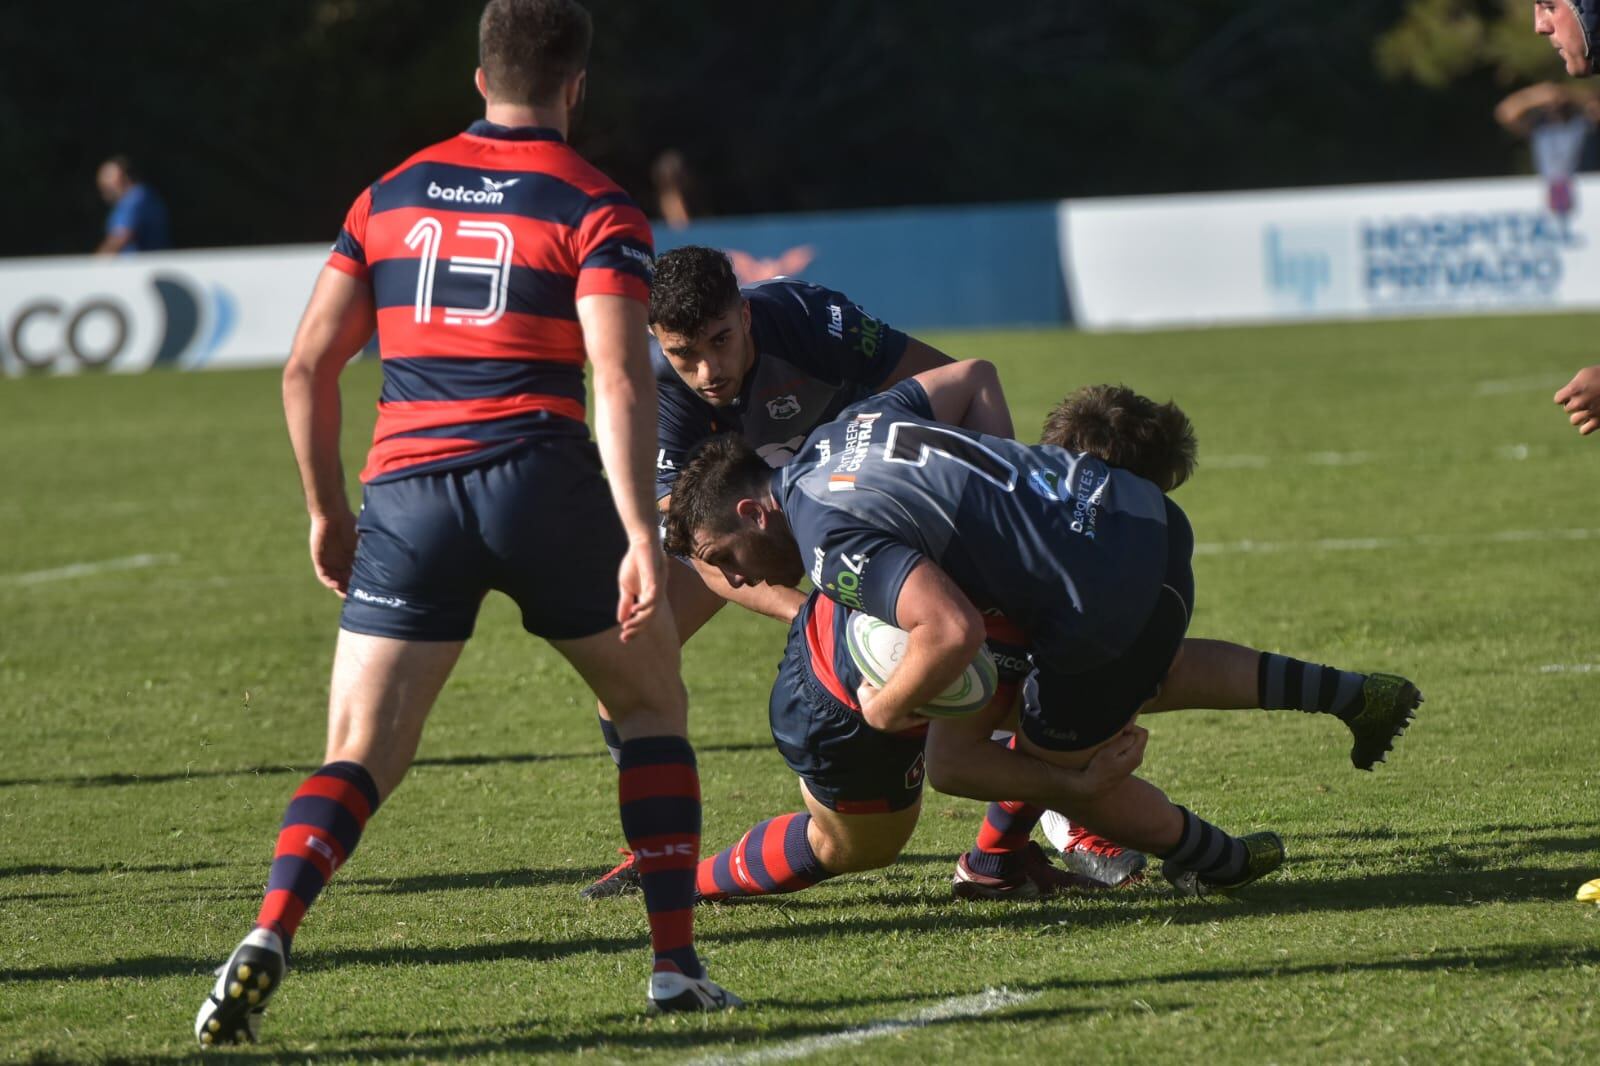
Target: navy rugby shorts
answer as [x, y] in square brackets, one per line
[537, 524]
[847, 765]
[1073, 711]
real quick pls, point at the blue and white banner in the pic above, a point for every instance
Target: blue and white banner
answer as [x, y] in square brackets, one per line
[916, 268]
[1357, 251]
[187, 310]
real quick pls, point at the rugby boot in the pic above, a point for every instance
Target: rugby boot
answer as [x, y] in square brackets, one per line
[232, 1012]
[1264, 853]
[1099, 859]
[1036, 878]
[672, 992]
[623, 878]
[1388, 706]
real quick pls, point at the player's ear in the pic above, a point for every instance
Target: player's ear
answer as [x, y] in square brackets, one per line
[481, 82]
[749, 509]
[576, 88]
[744, 314]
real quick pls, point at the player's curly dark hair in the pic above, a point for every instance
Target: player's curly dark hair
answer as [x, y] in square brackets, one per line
[1116, 424]
[722, 471]
[529, 48]
[693, 285]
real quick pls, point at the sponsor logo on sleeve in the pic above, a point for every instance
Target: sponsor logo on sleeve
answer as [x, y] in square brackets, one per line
[835, 322]
[846, 584]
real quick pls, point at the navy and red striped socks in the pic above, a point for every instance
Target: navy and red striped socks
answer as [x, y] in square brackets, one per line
[659, 794]
[320, 831]
[1006, 829]
[772, 858]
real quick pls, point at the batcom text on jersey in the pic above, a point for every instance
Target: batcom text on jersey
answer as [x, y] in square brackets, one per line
[460, 194]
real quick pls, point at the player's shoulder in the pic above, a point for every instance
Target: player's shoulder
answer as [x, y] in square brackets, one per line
[787, 295]
[566, 184]
[437, 152]
[904, 399]
[566, 164]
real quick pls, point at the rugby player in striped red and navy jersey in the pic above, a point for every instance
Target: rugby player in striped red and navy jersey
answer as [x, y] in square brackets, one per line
[491, 265]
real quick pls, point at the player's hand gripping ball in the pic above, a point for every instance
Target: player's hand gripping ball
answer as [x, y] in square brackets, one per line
[876, 648]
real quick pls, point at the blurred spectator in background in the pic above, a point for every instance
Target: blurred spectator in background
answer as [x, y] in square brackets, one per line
[675, 190]
[138, 218]
[1557, 120]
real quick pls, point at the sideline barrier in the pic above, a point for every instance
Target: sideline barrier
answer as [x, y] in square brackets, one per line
[1356, 251]
[226, 308]
[1248, 257]
[916, 268]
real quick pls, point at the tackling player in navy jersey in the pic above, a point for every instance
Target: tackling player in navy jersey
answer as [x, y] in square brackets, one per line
[861, 785]
[923, 524]
[771, 362]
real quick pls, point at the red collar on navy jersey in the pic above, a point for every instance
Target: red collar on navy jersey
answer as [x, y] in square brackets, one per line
[484, 128]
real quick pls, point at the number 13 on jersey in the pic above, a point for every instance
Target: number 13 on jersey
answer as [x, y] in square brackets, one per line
[425, 237]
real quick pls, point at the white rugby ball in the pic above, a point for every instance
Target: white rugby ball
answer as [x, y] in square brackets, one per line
[876, 648]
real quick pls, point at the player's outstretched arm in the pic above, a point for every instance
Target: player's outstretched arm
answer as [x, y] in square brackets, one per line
[968, 394]
[614, 334]
[1581, 399]
[337, 322]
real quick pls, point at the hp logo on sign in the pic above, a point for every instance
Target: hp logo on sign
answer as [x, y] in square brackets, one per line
[1306, 268]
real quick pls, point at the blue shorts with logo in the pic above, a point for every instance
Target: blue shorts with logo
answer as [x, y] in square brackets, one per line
[846, 764]
[537, 523]
[1074, 711]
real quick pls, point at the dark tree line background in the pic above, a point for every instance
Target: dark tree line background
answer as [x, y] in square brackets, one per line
[259, 122]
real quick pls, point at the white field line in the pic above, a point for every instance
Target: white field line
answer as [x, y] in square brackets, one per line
[1420, 540]
[959, 1007]
[1570, 668]
[1514, 452]
[66, 573]
[1542, 383]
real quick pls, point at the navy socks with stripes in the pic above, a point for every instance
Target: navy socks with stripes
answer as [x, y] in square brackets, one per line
[1284, 683]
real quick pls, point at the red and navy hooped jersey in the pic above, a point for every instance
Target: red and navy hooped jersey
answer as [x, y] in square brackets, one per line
[477, 250]
[824, 627]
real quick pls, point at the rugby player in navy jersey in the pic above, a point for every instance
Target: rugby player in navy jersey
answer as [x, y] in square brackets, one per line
[492, 265]
[861, 786]
[771, 362]
[926, 525]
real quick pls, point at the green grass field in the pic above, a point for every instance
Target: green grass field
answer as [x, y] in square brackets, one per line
[1398, 496]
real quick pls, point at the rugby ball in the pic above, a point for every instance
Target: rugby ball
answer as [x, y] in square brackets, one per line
[876, 648]
[1589, 892]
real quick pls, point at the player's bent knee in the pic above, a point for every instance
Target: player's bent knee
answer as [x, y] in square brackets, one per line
[851, 854]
